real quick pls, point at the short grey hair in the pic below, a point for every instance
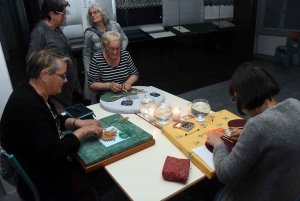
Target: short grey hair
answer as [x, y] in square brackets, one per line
[45, 59]
[110, 36]
[101, 9]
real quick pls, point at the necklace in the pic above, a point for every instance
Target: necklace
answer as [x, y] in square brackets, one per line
[48, 105]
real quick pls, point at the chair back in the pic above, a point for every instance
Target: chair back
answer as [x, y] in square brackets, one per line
[292, 39]
[294, 35]
[16, 165]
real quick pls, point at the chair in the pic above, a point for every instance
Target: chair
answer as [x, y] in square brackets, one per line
[80, 195]
[16, 165]
[288, 50]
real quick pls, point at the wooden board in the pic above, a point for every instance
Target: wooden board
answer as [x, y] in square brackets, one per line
[116, 157]
[93, 154]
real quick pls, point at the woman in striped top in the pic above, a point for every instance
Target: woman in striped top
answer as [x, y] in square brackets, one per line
[112, 69]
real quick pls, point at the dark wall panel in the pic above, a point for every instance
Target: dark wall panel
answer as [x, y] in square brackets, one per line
[139, 16]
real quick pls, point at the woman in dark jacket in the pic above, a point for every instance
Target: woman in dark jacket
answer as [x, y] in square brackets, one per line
[31, 129]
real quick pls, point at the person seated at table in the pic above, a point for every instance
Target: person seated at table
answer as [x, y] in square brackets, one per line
[112, 69]
[98, 18]
[264, 164]
[31, 129]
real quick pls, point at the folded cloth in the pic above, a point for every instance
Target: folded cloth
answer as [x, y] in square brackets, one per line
[176, 169]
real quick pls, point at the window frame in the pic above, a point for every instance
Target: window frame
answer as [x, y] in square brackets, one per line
[260, 29]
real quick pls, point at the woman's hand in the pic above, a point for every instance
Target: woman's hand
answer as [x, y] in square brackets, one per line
[126, 86]
[115, 87]
[95, 130]
[214, 140]
[87, 122]
[90, 129]
[235, 134]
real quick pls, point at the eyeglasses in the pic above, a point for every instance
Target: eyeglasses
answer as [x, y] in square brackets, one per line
[63, 77]
[62, 13]
[93, 13]
[113, 49]
[234, 99]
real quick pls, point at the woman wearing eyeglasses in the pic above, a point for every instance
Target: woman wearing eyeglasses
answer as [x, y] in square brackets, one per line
[98, 18]
[47, 34]
[112, 69]
[264, 164]
[31, 129]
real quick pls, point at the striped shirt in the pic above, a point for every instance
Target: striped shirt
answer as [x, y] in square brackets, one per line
[100, 71]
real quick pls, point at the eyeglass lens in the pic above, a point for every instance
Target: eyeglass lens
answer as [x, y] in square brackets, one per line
[62, 76]
[93, 13]
[62, 13]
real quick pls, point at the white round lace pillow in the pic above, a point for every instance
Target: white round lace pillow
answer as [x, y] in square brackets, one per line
[116, 106]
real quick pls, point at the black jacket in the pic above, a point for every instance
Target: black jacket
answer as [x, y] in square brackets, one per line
[29, 131]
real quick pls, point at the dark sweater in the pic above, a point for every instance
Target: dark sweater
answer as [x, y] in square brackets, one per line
[43, 37]
[28, 130]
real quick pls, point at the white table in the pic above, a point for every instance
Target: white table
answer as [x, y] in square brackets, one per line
[140, 175]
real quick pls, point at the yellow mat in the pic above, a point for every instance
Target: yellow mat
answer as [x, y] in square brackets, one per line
[185, 141]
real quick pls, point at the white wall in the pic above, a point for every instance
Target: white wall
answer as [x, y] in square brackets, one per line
[110, 7]
[174, 12]
[266, 45]
[5, 83]
[76, 22]
[177, 12]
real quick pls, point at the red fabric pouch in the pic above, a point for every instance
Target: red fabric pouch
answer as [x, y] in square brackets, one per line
[176, 169]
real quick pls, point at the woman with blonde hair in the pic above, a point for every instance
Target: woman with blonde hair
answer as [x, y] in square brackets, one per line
[98, 18]
[112, 69]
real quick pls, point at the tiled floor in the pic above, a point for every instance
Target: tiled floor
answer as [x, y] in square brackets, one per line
[217, 94]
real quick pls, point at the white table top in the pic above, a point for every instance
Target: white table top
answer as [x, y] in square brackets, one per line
[140, 175]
